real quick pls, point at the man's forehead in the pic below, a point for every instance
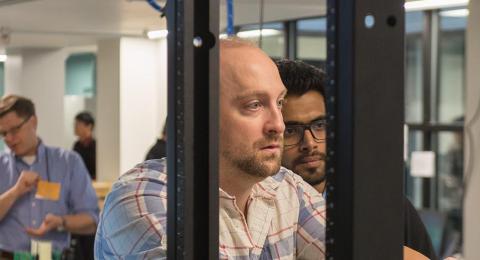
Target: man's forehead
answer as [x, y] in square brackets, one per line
[304, 109]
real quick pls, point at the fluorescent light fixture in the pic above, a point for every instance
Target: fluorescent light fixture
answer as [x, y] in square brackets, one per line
[3, 57]
[455, 13]
[256, 33]
[421, 5]
[158, 34]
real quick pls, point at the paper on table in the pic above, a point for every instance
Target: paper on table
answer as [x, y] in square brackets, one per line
[44, 250]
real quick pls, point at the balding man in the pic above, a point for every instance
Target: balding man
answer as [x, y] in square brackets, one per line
[266, 211]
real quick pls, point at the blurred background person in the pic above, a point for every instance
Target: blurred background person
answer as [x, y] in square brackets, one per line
[159, 149]
[45, 192]
[86, 144]
[86, 147]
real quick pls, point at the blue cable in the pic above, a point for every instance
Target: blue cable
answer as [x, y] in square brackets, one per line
[230, 30]
[155, 5]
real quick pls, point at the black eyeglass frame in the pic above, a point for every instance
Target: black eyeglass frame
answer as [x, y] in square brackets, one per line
[14, 130]
[304, 127]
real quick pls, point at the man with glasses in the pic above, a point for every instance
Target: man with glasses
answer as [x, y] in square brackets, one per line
[266, 211]
[304, 115]
[45, 192]
[304, 151]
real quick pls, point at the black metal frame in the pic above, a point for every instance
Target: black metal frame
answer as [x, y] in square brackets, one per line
[192, 145]
[365, 157]
[355, 225]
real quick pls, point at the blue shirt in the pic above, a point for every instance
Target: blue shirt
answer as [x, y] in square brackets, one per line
[76, 196]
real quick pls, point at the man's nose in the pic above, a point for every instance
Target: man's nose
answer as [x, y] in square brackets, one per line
[308, 142]
[275, 124]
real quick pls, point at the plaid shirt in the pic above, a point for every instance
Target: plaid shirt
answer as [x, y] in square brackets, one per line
[285, 220]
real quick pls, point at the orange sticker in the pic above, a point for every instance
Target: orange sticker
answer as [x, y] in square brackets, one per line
[48, 190]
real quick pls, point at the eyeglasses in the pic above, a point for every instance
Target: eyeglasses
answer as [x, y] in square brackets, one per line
[14, 130]
[294, 133]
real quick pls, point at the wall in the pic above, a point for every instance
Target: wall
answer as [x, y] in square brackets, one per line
[131, 102]
[472, 143]
[143, 98]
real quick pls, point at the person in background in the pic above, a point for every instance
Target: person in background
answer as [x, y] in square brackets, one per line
[86, 144]
[45, 192]
[304, 114]
[159, 149]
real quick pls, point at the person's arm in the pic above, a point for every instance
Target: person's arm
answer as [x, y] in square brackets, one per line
[25, 183]
[77, 224]
[83, 212]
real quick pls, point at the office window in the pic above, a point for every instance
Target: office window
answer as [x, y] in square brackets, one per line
[273, 37]
[414, 24]
[312, 39]
[81, 75]
[451, 99]
[440, 130]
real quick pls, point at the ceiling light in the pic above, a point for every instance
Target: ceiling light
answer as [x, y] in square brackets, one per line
[158, 34]
[434, 4]
[256, 33]
[455, 13]
[3, 57]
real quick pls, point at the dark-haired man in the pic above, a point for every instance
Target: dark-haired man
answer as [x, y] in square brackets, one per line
[305, 132]
[45, 192]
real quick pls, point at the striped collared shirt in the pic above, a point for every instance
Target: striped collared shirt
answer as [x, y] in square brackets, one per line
[285, 220]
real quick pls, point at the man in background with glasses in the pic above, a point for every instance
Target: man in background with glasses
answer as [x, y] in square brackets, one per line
[305, 124]
[304, 115]
[45, 192]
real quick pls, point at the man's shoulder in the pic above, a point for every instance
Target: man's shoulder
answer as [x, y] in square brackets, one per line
[59, 152]
[4, 158]
[152, 173]
[134, 215]
[287, 177]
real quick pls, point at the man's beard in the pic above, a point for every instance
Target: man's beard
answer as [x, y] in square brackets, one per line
[256, 164]
[312, 176]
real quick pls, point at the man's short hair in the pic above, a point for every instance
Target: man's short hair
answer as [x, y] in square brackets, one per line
[300, 77]
[86, 118]
[22, 106]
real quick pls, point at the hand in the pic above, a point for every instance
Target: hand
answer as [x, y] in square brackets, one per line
[26, 182]
[49, 223]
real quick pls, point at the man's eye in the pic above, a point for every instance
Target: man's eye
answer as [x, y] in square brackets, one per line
[254, 105]
[318, 125]
[280, 103]
[289, 131]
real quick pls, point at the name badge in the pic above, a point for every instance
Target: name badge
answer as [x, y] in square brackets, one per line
[48, 190]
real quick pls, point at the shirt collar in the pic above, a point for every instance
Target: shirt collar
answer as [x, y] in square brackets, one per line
[265, 189]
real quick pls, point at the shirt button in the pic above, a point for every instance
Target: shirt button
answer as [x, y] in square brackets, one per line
[33, 204]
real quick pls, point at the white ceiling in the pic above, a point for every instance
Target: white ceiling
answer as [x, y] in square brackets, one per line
[60, 23]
